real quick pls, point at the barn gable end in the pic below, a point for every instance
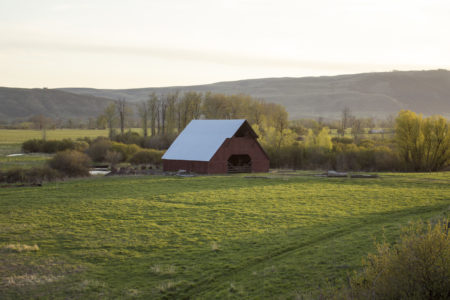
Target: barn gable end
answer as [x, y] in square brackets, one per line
[216, 146]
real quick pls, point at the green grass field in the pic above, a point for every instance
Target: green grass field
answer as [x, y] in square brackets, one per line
[24, 161]
[18, 136]
[211, 237]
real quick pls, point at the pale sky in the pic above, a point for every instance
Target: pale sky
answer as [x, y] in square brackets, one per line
[136, 43]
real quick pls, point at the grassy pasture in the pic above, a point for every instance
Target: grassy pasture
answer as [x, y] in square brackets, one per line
[24, 161]
[18, 136]
[210, 237]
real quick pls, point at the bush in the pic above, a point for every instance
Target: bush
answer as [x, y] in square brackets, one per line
[148, 156]
[127, 151]
[40, 174]
[71, 163]
[81, 146]
[113, 157]
[32, 146]
[418, 267]
[15, 175]
[129, 138]
[98, 149]
[342, 140]
[160, 142]
[51, 146]
[33, 176]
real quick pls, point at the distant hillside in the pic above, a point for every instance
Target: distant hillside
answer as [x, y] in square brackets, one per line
[368, 94]
[22, 103]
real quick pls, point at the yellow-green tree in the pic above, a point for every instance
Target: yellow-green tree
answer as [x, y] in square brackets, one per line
[436, 143]
[423, 144]
[321, 141]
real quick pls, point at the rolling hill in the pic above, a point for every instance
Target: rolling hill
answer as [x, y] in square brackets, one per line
[367, 94]
[17, 103]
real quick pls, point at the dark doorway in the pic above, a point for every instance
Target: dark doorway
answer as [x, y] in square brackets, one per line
[239, 164]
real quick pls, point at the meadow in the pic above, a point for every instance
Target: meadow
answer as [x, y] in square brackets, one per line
[208, 237]
[11, 139]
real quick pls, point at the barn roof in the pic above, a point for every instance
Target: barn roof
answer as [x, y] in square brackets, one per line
[201, 139]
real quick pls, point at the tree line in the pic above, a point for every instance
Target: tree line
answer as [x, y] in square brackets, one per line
[169, 114]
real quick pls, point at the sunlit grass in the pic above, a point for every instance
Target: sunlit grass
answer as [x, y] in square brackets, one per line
[206, 237]
[18, 136]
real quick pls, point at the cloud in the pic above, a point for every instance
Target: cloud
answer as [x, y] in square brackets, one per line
[195, 55]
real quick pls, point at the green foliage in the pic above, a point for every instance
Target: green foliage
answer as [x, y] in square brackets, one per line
[423, 144]
[32, 146]
[31, 175]
[127, 151]
[417, 267]
[342, 140]
[319, 142]
[98, 149]
[208, 237]
[71, 163]
[147, 156]
[128, 137]
[52, 146]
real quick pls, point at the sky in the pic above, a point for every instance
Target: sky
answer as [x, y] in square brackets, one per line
[153, 43]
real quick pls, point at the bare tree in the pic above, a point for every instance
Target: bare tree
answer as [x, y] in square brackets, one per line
[153, 112]
[121, 110]
[357, 128]
[143, 113]
[163, 113]
[345, 120]
[110, 116]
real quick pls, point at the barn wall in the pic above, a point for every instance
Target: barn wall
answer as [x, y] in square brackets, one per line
[219, 162]
[170, 165]
[239, 145]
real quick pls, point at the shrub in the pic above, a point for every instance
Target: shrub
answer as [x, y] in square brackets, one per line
[98, 149]
[113, 157]
[15, 175]
[71, 163]
[129, 138]
[32, 146]
[148, 156]
[418, 267]
[159, 142]
[33, 175]
[51, 146]
[127, 151]
[342, 140]
[81, 146]
[40, 174]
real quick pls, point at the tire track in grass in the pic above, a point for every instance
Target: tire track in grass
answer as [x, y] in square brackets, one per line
[378, 219]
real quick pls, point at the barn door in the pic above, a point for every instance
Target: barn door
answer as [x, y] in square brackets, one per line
[240, 164]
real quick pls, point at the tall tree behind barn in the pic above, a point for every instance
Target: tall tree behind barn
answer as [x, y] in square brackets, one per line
[216, 147]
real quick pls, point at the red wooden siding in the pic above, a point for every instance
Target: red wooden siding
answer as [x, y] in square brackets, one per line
[219, 162]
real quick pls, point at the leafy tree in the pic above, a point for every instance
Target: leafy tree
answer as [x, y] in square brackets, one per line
[423, 144]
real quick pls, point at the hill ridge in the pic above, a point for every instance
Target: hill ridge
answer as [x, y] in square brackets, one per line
[376, 94]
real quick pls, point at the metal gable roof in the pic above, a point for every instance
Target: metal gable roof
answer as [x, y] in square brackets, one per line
[201, 139]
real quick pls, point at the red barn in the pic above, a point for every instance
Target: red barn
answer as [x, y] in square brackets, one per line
[216, 146]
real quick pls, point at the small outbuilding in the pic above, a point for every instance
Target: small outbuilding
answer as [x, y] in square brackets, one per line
[216, 147]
